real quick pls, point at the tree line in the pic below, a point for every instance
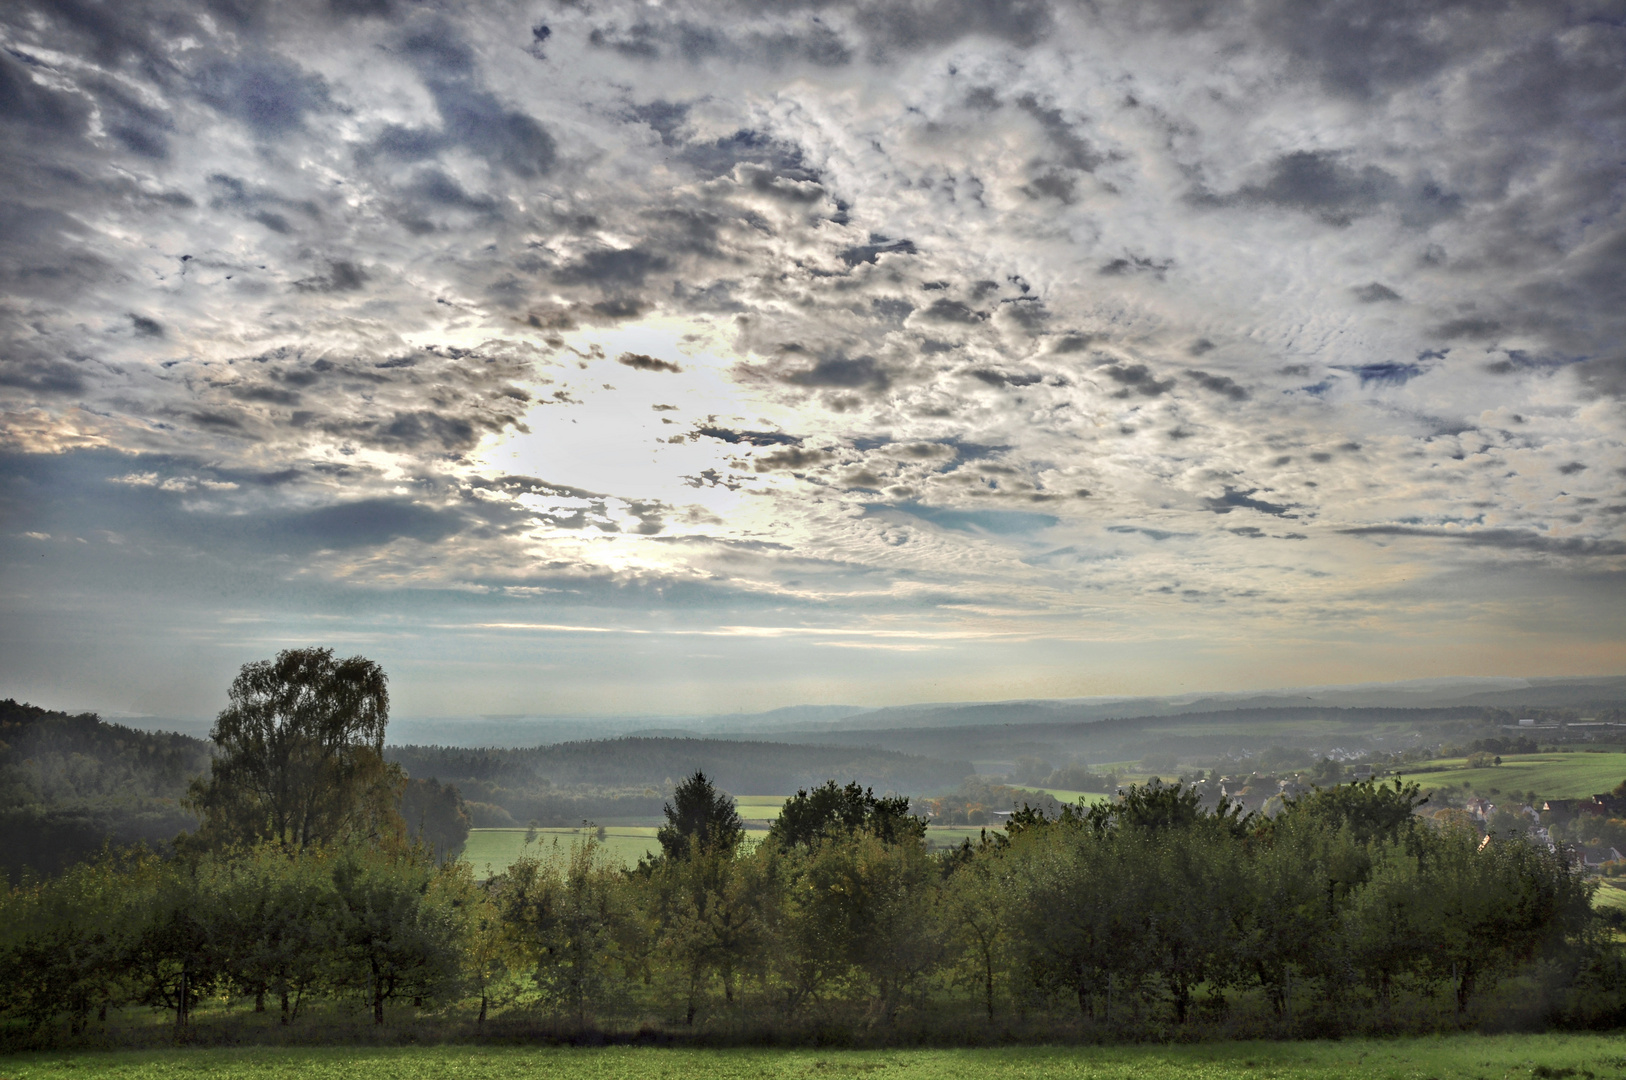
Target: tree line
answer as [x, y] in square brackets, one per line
[1346, 910]
[304, 889]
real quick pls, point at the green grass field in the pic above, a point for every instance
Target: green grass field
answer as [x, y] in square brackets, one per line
[759, 807]
[1611, 893]
[1063, 796]
[490, 851]
[1459, 1057]
[1550, 776]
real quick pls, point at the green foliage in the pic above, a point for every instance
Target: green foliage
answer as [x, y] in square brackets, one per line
[830, 810]
[300, 755]
[1156, 913]
[436, 817]
[573, 927]
[398, 931]
[68, 784]
[699, 819]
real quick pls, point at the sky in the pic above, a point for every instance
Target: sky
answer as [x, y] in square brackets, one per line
[673, 358]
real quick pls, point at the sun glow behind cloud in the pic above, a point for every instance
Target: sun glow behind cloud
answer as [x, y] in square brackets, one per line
[951, 349]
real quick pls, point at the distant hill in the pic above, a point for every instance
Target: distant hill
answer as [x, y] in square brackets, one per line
[70, 783]
[993, 746]
[523, 780]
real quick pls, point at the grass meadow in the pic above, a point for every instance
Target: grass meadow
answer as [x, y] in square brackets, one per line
[1454, 1057]
[1551, 776]
[491, 851]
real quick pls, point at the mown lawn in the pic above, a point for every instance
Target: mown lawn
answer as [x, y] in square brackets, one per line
[1460, 1057]
[1550, 776]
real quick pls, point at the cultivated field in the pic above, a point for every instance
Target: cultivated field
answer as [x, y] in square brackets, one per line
[491, 851]
[1550, 776]
[1063, 796]
[1458, 1057]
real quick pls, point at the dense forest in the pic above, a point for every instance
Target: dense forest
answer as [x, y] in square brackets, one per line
[68, 784]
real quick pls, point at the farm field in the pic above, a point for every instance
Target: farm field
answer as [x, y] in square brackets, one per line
[759, 807]
[1550, 776]
[1457, 1057]
[1063, 796]
[491, 851]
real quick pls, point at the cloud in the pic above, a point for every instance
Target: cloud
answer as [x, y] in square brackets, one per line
[995, 522]
[644, 362]
[369, 263]
[1375, 293]
[1501, 539]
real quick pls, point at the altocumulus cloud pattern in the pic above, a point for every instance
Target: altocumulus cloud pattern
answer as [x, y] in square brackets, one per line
[947, 347]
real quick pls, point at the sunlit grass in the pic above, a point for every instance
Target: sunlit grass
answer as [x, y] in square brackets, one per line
[1460, 1057]
[1551, 776]
[491, 851]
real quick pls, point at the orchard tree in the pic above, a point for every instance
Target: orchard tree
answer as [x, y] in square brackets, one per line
[830, 810]
[300, 758]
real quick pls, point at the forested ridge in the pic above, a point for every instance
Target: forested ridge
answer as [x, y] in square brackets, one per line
[70, 783]
[627, 777]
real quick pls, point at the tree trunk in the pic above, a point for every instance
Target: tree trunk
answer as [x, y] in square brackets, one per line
[286, 1016]
[378, 995]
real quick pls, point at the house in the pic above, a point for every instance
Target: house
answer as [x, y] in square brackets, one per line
[1593, 857]
[1481, 808]
[1559, 809]
[1363, 772]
